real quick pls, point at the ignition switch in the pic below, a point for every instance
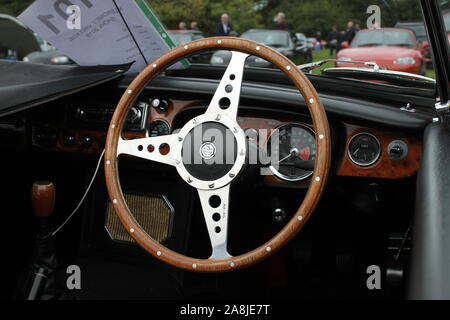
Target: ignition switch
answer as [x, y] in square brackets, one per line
[397, 150]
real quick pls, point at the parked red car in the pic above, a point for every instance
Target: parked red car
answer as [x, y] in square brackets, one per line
[392, 48]
[447, 24]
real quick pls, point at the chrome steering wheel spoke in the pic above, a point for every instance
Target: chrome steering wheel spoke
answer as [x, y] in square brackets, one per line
[158, 149]
[227, 96]
[215, 205]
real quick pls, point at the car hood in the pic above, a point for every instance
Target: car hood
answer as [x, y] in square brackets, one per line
[381, 53]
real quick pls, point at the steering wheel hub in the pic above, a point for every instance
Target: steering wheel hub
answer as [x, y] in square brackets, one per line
[215, 156]
[212, 152]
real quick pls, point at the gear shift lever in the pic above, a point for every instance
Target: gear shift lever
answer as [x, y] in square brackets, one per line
[43, 196]
[44, 261]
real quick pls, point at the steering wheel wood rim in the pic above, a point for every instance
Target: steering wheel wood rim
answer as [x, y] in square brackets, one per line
[311, 200]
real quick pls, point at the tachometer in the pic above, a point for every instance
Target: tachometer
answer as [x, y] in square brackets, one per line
[289, 146]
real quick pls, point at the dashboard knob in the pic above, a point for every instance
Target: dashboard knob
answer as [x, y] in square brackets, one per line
[46, 137]
[160, 105]
[134, 115]
[69, 140]
[86, 142]
[79, 114]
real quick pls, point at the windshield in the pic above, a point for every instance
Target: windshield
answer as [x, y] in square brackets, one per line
[383, 38]
[390, 33]
[269, 38]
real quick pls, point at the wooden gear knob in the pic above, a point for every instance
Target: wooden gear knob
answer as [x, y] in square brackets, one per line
[43, 196]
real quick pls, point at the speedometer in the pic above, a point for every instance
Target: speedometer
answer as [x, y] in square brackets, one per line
[288, 146]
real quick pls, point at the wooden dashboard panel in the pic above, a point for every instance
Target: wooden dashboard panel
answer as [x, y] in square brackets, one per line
[384, 168]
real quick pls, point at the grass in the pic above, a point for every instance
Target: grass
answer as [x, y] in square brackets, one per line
[325, 54]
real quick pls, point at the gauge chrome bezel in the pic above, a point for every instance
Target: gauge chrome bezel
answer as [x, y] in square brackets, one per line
[280, 175]
[147, 131]
[378, 156]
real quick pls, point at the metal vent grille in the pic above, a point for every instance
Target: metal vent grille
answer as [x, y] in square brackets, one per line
[153, 214]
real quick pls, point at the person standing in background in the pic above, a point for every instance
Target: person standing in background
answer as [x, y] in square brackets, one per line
[194, 25]
[333, 40]
[182, 25]
[351, 32]
[341, 39]
[280, 19]
[224, 27]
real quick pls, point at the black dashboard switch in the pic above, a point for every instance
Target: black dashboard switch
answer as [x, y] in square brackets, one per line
[86, 142]
[160, 105]
[69, 140]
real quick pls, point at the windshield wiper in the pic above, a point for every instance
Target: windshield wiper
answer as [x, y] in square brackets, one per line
[399, 45]
[372, 71]
[308, 67]
[370, 45]
[379, 74]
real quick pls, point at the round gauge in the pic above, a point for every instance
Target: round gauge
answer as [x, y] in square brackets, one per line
[364, 149]
[287, 146]
[158, 128]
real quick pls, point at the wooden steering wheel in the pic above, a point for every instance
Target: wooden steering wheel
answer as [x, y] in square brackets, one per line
[213, 180]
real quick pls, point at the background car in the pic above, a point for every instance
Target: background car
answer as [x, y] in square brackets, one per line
[421, 35]
[16, 40]
[311, 42]
[48, 57]
[185, 36]
[392, 48]
[447, 24]
[280, 40]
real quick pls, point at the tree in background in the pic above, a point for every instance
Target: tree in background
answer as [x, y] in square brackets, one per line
[307, 16]
[14, 7]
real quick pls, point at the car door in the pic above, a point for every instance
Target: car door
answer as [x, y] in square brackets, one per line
[430, 272]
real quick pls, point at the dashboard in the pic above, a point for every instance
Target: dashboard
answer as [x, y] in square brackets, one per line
[76, 126]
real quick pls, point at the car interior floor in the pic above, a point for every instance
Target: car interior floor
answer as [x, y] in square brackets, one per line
[351, 229]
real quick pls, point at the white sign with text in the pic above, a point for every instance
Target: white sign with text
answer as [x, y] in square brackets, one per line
[95, 32]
